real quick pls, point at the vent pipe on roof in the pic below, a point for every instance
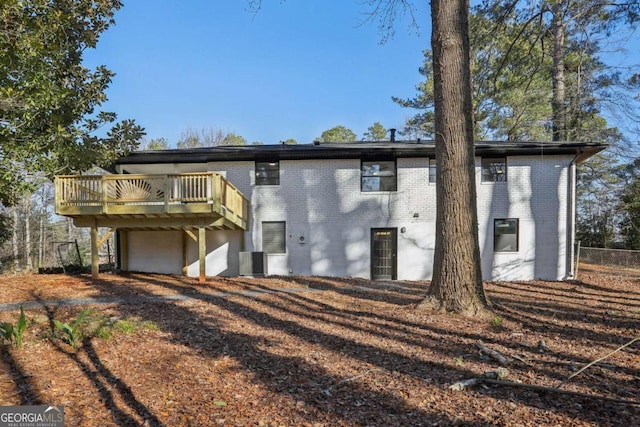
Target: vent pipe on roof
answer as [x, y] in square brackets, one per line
[392, 131]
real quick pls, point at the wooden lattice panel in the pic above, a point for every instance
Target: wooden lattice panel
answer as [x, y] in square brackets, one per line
[135, 190]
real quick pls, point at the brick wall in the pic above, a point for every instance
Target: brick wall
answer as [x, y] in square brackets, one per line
[329, 219]
[321, 201]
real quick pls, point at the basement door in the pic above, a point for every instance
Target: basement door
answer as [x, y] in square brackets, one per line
[384, 248]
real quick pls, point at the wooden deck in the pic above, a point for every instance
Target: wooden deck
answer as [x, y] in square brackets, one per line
[141, 202]
[191, 202]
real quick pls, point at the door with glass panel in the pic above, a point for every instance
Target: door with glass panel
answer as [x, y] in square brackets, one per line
[384, 247]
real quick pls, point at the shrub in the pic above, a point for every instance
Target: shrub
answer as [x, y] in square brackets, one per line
[496, 322]
[72, 333]
[10, 333]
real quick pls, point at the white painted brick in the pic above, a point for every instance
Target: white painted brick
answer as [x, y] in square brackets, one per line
[321, 200]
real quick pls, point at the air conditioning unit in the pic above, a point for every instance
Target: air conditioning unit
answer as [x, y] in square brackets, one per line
[253, 264]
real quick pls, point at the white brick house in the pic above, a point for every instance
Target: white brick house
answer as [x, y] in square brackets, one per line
[364, 210]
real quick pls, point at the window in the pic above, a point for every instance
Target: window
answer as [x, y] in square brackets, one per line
[268, 173]
[432, 171]
[505, 235]
[378, 175]
[274, 237]
[494, 169]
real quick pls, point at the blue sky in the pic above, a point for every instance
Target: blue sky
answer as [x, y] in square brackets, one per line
[292, 70]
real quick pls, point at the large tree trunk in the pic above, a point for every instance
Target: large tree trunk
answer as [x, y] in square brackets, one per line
[457, 279]
[559, 119]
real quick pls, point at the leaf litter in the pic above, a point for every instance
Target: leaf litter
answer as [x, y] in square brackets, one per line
[318, 351]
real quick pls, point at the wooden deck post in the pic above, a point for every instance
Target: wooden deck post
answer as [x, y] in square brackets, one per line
[95, 261]
[185, 258]
[202, 252]
[124, 250]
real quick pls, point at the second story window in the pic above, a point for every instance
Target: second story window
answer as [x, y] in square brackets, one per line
[378, 175]
[267, 173]
[494, 169]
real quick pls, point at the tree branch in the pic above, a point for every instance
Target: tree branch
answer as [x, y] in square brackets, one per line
[598, 360]
[559, 391]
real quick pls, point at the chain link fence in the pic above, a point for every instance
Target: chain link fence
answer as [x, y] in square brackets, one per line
[610, 257]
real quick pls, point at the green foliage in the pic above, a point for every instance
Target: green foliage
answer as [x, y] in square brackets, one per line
[20, 328]
[496, 322]
[508, 102]
[511, 55]
[422, 124]
[211, 137]
[92, 323]
[6, 333]
[630, 205]
[338, 134]
[459, 360]
[233, 139]
[289, 141]
[599, 195]
[149, 325]
[157, 144]
[125, 326]
[48, 100]
[6, 227]
[72, 333]
[375, 132]
[10, 332]
[96, 324]
[103, 327]
[193, 138]
[129, 326]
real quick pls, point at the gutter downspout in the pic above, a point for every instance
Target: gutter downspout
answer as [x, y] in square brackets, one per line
[572, 214]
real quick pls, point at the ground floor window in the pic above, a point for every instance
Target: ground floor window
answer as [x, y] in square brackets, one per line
[505, 235]
[274, 237]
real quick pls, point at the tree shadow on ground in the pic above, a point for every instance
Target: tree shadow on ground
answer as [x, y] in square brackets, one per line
[536, 316]
[244, 348]
[340, 398]
[397, 292]
[577, 289]
[23, 385]
[110, 388]
[334, 397]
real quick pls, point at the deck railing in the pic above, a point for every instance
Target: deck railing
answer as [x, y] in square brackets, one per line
[149, 194]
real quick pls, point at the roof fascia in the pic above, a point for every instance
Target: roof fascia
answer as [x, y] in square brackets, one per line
[351, 151]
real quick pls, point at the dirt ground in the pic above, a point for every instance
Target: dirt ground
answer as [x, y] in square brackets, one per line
[312, 351]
